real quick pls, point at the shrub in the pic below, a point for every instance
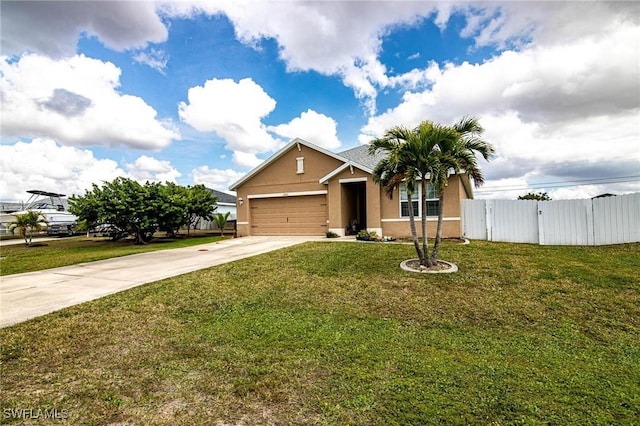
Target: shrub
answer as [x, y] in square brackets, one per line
[365, 235]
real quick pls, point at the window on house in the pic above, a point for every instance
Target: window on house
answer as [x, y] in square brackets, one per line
[432, 201]
[404, 201]
[300, 165]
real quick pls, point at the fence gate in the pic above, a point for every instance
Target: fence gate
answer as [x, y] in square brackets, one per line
[474, 219]
[565, 222]
[514, 221]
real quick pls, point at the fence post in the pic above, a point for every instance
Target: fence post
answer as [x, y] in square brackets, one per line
[541, 239]
[489, 219]
[591, 238]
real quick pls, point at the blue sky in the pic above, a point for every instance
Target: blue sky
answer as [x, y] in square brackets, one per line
[201, 92]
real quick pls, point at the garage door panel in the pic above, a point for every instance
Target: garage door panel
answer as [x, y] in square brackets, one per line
[303, 215]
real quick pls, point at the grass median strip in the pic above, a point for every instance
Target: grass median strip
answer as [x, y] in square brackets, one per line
[337, 334]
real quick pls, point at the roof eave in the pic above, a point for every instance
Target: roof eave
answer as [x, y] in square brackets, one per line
[325, 179]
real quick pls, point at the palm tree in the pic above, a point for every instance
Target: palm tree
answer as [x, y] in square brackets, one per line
[221, 220]
[394, 168]
[28, 222]
[428, 153]
[456, 153]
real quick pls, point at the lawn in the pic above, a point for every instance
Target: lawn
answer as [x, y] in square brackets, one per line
[70, 251]
[335, 333]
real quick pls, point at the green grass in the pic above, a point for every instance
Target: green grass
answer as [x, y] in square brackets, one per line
[70, 251]
[335, 333]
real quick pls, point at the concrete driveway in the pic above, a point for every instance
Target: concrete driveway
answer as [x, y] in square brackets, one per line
[32, 294]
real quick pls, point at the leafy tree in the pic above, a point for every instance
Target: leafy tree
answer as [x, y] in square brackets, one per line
[27, 223]
[540, 196]
[174, 206]
[201, 203]
[128, 207]
[87, 209]
[221, 220]
[428, 153]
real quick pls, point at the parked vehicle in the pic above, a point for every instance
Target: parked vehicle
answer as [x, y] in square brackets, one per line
[59, 221]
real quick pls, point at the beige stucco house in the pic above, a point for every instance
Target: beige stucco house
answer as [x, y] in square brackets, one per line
[306, 190]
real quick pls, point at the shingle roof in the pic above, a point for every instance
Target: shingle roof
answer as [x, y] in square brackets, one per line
[223, 197]
[360, 155]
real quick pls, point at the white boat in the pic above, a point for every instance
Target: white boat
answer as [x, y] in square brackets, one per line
[50, 204]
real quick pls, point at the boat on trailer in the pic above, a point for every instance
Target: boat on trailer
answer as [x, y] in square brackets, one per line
[50, 205]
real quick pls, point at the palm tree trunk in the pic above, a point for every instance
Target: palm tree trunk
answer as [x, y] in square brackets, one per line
[436, 244]
[412, 226]
[426, 261]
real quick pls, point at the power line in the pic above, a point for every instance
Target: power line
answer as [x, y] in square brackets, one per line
[562, 184]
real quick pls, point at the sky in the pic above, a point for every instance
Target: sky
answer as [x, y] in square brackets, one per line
[200, 92]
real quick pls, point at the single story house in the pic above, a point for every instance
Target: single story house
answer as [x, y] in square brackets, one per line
[224, 203]
[304, 189]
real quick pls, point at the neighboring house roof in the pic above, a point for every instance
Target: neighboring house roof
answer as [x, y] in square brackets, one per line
[223, 197]
[284, 150]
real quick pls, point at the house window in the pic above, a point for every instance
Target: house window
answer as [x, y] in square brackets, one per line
[432, 201]
[404, 201]
[300, 165]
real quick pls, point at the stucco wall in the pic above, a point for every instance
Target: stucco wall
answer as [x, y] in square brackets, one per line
[280, 176]
[383, 214]
[395, 225]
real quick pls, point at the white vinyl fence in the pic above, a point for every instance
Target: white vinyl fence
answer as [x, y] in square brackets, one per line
[598, 221]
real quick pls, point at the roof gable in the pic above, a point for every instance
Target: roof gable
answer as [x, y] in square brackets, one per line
[280, 153]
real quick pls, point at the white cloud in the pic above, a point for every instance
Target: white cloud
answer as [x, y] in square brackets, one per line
[554, 112]
[347, 36]
[246, 159]
[154, 58]
[514, 24]
[219, 179]
[333, 38]
[313, 127]
[76, 101]
[234, 112]
[150, 169]
[53, 28]
[43, 164]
